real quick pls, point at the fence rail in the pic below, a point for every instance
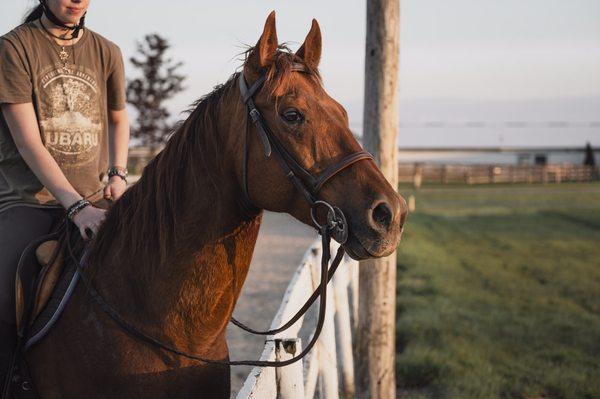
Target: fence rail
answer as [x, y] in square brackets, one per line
[486, 174]
[328, 369]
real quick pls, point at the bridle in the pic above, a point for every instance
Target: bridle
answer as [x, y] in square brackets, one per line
[307, 184]
[335, 227]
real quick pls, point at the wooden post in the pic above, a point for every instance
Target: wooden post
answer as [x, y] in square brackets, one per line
[444, 177]
[354, 297]
[375, 351]
[326, 343]
[412, 203]
[343, 331]
[418, 176]
[290, 381]
[311, 372]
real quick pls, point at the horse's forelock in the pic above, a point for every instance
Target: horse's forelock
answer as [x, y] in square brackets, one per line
[279, 77]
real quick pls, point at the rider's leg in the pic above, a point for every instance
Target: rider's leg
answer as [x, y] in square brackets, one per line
[19, 225]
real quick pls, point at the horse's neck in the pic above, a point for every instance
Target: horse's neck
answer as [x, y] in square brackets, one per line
[199, 299]
[189, 303]
[189, 298]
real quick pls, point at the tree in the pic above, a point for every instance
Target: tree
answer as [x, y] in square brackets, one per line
[159, 82]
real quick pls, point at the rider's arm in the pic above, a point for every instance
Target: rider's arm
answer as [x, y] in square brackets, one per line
[118, 137]
[118, 123]
[22, 123]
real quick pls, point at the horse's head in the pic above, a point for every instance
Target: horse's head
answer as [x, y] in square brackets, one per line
[313, 128]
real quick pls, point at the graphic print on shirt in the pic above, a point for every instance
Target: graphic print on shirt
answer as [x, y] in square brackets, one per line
[70, 117]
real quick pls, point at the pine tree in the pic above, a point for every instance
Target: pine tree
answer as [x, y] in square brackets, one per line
[159, 82]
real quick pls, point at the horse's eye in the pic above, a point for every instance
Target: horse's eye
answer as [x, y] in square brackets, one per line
[292, 115]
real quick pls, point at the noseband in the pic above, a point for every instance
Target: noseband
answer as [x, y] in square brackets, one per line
[308, 185]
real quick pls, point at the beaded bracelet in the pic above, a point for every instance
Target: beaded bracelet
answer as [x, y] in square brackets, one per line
[118, 171]
[76, 207]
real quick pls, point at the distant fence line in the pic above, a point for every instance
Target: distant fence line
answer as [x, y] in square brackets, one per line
[418, 174]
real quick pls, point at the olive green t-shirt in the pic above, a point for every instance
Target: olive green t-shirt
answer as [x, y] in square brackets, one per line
[71, 95]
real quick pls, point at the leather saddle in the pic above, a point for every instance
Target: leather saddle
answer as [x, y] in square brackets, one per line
[39, 269]
[41, 272]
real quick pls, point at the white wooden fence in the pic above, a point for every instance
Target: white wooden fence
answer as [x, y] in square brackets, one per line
[328, 370]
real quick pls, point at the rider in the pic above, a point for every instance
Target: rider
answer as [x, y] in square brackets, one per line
[62, 124]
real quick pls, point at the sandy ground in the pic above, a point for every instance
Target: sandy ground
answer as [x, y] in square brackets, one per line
[281, 244]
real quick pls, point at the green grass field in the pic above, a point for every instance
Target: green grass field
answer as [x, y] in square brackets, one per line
[499, 293]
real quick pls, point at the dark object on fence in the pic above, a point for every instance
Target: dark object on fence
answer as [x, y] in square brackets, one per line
[589, 159]
[540, 159]
[159, 82]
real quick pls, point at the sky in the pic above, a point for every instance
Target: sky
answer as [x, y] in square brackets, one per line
[472, 72]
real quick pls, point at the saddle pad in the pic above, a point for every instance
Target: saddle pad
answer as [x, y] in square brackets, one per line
[56, 303]
[67, 282]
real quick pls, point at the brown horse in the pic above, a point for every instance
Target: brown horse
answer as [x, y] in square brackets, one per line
[174, 251]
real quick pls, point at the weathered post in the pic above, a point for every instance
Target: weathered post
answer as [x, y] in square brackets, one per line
[290, 383]
[343, 331]
[375, 351]
[418, 176]
[326, 344]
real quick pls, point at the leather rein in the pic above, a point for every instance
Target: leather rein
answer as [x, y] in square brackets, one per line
[335, 227]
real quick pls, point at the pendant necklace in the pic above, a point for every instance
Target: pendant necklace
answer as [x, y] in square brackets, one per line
[63, 55]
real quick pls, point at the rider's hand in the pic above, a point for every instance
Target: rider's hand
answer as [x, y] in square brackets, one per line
[115, 188]
[89, 217]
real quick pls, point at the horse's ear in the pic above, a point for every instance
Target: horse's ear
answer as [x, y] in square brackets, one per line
[266, 47]
[310, 51]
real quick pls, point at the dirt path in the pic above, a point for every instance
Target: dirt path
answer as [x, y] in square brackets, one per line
[281, 244]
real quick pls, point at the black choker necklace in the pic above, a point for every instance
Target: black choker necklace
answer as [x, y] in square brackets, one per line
[53, 35]
[54, 19]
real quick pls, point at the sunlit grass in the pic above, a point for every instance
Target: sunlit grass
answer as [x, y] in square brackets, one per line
[499, 293]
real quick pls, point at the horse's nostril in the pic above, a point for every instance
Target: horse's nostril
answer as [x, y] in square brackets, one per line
[382, 215]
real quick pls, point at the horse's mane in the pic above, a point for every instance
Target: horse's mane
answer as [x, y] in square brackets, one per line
[145, 218]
